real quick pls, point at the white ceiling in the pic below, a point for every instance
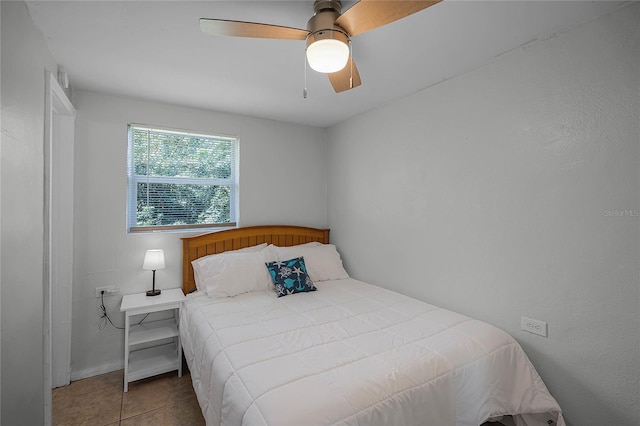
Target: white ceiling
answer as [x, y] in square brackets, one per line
[155, 50]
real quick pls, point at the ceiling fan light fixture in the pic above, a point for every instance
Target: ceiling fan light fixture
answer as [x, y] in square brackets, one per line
[328, 51]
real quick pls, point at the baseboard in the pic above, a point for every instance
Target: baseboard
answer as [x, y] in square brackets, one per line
[106, 368]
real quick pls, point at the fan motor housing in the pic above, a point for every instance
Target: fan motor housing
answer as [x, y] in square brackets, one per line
[322, 24]
[320, 5]
[325, 14]
[335, 33]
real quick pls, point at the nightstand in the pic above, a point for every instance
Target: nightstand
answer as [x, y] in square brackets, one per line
[146, 351]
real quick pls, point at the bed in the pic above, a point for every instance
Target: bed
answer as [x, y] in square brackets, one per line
[341, 351]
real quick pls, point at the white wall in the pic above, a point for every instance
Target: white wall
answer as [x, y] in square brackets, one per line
[273, 190]
[496, 194]
[25, 58]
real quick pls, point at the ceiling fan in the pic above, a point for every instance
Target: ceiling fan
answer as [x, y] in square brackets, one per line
[328, 34]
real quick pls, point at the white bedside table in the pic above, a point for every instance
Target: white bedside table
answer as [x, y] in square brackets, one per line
[141, 358]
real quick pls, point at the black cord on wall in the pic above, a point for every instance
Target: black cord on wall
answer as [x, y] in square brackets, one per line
[104, 316]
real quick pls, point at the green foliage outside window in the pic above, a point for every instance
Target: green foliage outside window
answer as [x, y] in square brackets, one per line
[171, 204]
[181, 178]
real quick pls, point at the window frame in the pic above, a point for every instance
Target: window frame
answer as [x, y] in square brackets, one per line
[133, 180]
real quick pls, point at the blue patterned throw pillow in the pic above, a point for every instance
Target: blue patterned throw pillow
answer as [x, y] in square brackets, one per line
[290, 276]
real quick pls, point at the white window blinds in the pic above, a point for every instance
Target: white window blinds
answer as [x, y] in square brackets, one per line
[180, 180]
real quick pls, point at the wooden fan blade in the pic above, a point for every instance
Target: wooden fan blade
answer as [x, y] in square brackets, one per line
[224, 27]
[341, 80]
[367, 15]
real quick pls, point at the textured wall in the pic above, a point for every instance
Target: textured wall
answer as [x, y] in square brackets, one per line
[514, 190]
[104, 254]
[25, 58]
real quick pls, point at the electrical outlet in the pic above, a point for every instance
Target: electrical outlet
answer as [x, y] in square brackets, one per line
[110, 290]
[534, 326]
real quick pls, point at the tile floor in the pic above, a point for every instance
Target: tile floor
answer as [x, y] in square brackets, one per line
[100, 401]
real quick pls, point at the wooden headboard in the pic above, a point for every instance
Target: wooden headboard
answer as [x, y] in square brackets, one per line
[232, 239]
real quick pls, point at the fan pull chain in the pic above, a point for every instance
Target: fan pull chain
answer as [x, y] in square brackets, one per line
[304, 90]
[351, 65]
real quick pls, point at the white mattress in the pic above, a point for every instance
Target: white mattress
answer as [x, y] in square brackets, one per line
[353, 353]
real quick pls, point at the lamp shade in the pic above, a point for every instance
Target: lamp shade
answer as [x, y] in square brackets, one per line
[153, 260]
[327, 55]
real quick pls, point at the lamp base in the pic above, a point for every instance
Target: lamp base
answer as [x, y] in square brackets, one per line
[154, 292]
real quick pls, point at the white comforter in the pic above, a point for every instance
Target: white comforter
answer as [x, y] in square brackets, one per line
[357, 354]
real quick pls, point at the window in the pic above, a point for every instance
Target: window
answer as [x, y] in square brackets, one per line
[180, 180]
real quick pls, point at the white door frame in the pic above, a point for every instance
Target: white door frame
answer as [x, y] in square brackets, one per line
[58, 235]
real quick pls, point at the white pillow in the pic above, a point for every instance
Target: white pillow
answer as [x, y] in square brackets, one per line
[322, 260]
[201, 263]
[230, 274]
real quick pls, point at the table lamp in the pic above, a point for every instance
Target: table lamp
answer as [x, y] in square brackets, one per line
[153, 260]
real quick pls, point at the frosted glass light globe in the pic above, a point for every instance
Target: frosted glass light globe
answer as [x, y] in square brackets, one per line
[328, 55]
